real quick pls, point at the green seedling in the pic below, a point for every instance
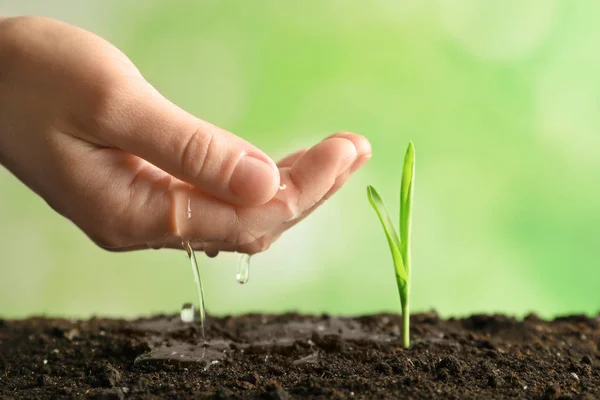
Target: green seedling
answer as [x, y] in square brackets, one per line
[400, 243]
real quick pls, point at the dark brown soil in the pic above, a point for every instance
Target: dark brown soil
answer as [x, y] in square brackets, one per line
[291, 356]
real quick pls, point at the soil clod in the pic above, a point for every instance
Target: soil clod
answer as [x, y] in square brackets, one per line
[552, 392]
[108, 394]
[586, 360]
[108, 376]
[276, 392]
[494, 381]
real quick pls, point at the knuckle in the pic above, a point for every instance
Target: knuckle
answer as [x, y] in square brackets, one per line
[195, 153]
[260, 245]
[245, 238]
[290, 210]
[248, 233]
[288, 204]
[263, 243]
[236, 233]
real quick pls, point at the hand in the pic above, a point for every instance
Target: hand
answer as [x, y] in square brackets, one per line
[82, 128]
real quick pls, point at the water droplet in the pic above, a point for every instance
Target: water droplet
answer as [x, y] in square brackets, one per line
[283, 187]
[189, 209]
[243, 269]
[187, 313]
[187, 245]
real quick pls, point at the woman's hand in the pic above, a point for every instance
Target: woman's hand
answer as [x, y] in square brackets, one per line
[82, 128]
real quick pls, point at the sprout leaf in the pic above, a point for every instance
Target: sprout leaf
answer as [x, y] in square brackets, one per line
[400, 244]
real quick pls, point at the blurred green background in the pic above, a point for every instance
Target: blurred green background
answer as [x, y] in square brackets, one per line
[502, 101]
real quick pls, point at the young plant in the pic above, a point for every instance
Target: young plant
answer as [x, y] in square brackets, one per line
[400, 243]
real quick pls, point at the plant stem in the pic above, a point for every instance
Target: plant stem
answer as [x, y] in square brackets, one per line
[405, 322]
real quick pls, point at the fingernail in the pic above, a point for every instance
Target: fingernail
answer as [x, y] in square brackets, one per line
[252, 178]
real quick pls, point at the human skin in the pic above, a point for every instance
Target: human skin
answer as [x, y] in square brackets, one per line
[81, 127]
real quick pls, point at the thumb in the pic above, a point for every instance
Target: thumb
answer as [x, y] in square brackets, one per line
[217, 162]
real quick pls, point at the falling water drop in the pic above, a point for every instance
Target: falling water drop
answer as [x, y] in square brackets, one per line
[187, 244]
[187, 313]
[243, 269]
[189, 209]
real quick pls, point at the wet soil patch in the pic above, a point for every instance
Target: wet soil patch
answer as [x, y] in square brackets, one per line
[291, 356]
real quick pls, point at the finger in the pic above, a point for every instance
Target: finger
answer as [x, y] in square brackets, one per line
[339, 182]
[362, 145]
[306, 167]
[364, 154]
[314, 173]
[258, 246]
[364, 151]
[212, 159]
[291, 159]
